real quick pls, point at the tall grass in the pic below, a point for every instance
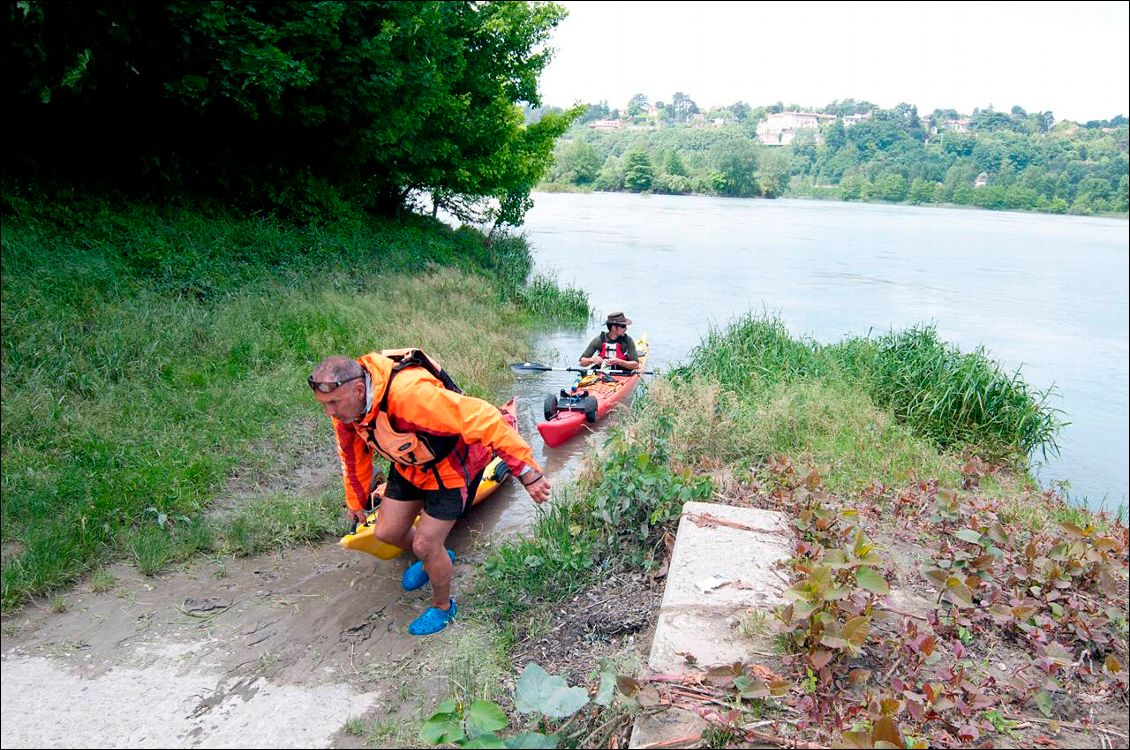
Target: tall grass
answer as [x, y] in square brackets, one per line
[150, 356]
[954, 399]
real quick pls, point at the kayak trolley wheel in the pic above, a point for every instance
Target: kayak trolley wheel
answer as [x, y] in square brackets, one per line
[549, 406]
[501, 472]
[590, 409]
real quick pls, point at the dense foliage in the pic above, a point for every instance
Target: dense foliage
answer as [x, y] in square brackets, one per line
[1000, 160]
[303, 106]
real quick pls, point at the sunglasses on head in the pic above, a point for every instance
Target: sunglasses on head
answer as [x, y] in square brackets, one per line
[329, 386]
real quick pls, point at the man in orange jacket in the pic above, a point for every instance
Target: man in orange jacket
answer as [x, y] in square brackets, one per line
[401, 405]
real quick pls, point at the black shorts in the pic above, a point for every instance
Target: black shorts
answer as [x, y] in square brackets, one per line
[444, 505]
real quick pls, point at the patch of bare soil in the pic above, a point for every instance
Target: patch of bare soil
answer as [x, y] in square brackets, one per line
[277, 650]
[614, 619]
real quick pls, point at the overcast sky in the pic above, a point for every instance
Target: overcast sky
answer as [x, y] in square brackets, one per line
[1068, 57]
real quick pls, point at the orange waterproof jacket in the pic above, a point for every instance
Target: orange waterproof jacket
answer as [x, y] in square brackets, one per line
[418, 402]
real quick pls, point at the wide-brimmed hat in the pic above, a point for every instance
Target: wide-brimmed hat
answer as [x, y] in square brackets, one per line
[618, 319]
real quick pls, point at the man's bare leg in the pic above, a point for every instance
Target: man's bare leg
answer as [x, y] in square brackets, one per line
[427, 542]
[394, 522]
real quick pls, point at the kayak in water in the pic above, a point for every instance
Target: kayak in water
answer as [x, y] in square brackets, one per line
[589, 399]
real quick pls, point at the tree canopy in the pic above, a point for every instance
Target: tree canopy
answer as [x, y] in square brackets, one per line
[282, 104]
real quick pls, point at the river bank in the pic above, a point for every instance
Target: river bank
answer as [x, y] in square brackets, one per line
[924, 559]
[936, 598]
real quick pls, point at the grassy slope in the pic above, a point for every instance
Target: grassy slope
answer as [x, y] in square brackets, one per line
[151, 355]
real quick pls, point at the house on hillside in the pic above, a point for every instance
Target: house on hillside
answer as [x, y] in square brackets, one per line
[782, 128]
[606, 124]
[850, 120]
[958, 126]
[982, 180]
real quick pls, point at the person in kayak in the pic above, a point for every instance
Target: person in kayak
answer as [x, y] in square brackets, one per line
[401, 405]
[613, 347]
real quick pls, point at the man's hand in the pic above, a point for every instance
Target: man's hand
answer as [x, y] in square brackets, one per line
[538, 489]
[357, 516]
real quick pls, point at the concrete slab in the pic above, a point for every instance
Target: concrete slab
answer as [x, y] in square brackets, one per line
[721, 567]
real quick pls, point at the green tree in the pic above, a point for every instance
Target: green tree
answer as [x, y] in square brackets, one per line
[891, 187]
[673, 164]
[684, 107]
[773, 172]
[638, 172]
[736, 161]
[278, 103]
[921, 191]
[852, 188]
[611, 175]
[578, 163]
[835, 136]
[637, 105]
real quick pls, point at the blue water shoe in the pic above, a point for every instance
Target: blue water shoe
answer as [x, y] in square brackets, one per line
[416, 576]
[433, 620]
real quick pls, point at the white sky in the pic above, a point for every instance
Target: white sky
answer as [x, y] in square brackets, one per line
[1068, 57]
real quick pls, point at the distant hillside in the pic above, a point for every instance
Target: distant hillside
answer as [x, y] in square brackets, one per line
[850, 151]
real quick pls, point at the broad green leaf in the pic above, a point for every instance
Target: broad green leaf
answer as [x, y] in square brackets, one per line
[751, 687]
[539, 692]
[872, 581]
[801, 610]
[836, 558]
[441, 729]
[485, 741]
[607, 689]
[1044, 703]
[486, 716]
[968, 535]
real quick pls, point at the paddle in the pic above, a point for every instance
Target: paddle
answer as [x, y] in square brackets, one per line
[535, 367]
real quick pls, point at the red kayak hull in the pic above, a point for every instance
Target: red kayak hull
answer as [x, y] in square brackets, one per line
[566, 424]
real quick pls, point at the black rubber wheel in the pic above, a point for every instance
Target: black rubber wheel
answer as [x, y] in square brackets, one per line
[549, 406]
[501, 472]
[590, 409]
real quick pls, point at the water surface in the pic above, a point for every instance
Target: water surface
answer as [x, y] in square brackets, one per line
[1047, 294]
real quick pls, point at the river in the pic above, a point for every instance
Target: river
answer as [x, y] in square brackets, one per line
[1046, 294]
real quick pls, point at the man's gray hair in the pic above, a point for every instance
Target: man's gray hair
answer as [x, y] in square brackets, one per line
[337, 368]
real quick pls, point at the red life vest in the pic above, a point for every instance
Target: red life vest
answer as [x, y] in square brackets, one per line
[611, 349]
